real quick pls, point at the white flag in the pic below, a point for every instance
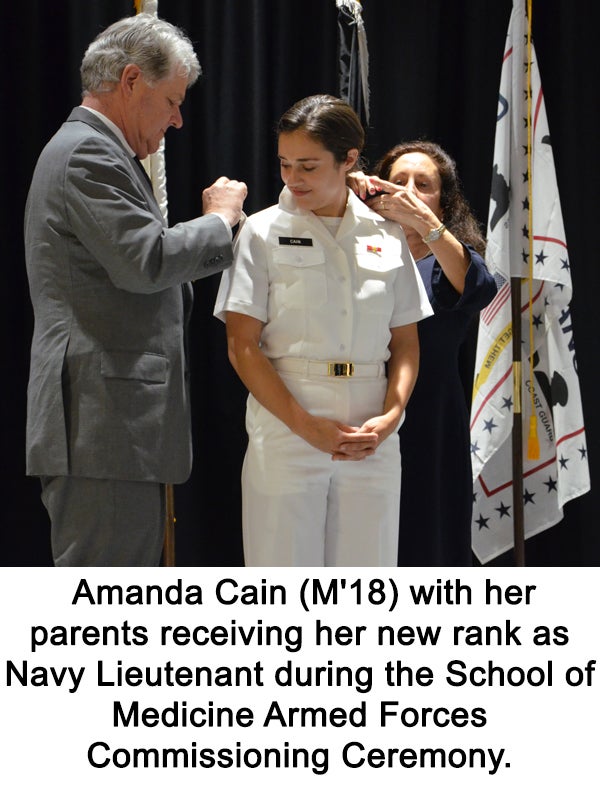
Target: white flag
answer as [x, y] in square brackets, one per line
[155, 163]
[561, 472]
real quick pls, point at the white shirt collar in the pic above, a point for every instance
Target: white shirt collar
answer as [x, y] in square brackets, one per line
[113, 128]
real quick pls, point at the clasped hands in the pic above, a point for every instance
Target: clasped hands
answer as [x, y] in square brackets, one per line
[348, 443]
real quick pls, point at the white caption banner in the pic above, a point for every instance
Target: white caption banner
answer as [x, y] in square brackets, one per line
[470, 679]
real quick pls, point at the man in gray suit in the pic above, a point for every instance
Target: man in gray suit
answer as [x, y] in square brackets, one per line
[108, 419]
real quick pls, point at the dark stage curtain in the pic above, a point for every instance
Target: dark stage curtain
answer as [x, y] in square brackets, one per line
[434, 71]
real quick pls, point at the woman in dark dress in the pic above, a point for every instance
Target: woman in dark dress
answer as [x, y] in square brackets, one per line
[423, 195]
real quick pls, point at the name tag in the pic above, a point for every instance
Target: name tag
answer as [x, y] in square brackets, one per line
[301, 241]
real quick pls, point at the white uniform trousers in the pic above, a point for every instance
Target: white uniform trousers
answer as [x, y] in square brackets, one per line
[299, 507]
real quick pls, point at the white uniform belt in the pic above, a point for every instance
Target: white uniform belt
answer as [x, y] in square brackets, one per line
[325, 368]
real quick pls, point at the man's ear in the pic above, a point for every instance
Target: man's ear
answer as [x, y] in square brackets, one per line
[130, 76]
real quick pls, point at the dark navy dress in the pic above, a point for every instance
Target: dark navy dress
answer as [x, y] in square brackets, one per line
[436, 495]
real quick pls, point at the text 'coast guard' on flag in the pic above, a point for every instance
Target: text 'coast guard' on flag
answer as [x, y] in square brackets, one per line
[561, 472]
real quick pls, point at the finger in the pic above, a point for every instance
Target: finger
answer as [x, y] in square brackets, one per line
[352, 450]
[368, 428]
[356, 448]
[383, 184]
[378, 203]
[347, 428]
[339, 457]
[360, 436]
[370, 188]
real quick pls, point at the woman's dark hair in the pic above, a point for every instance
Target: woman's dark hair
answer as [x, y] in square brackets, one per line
[327, 119]
[458, 216]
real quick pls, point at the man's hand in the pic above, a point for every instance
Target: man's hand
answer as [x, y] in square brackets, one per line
[225, 197]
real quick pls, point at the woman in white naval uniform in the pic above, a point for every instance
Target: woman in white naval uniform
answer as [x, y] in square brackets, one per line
[321, 300]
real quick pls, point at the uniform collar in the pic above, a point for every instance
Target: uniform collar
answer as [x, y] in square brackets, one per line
[288, 204]
[360, 209]
[355, 209]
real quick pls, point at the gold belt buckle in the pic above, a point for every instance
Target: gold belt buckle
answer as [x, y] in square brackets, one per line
[340, 369]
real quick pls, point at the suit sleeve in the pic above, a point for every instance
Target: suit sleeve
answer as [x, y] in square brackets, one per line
[110, 215]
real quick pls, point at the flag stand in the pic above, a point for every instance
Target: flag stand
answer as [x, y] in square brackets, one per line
[517, 432]
[169, 542]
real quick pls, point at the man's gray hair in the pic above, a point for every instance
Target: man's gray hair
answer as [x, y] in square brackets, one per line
[158, 48]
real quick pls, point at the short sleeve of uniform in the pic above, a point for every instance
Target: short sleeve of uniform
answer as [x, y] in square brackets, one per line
[244, 287]
[411, 303]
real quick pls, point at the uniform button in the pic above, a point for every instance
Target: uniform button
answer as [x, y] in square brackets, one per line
[299, 259]
[342, 279]
[344, 312]
[342, 347]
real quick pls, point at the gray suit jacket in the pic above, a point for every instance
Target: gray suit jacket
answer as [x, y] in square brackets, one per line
[108, 392]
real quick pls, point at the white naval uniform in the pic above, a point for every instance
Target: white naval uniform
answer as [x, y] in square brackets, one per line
[321, 298]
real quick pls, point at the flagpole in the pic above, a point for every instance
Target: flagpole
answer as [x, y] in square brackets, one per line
[155, 165]
[517, 430]
[516, 298]
[169, 541]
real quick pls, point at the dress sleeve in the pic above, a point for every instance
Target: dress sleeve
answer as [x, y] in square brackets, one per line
[480, 286]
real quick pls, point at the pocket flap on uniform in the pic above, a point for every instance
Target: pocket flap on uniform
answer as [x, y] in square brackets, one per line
[377, 263]
[299, 256]
[144, 366]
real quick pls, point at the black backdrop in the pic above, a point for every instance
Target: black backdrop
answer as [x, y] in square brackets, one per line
[434, 71]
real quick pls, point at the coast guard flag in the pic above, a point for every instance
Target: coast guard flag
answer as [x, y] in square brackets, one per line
[561, 472]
